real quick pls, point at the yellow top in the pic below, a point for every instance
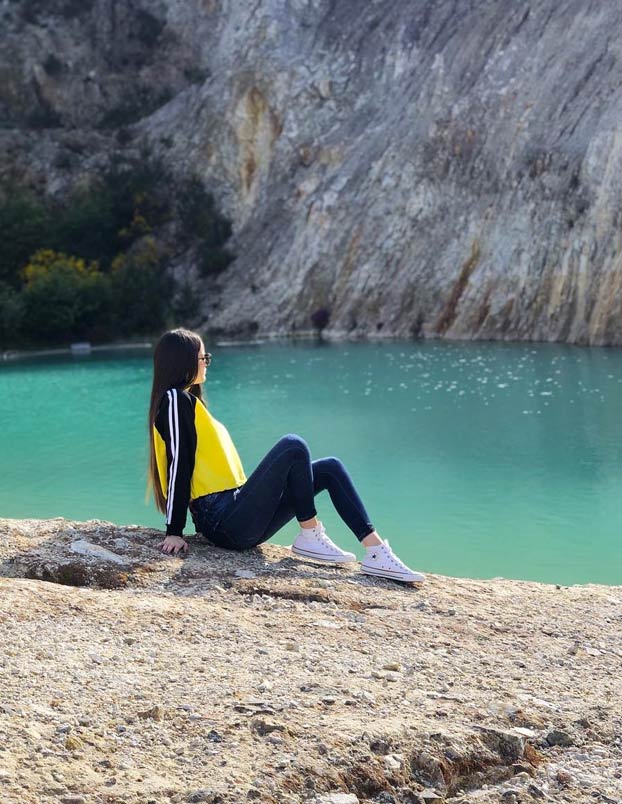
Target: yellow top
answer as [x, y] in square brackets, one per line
[194, 454]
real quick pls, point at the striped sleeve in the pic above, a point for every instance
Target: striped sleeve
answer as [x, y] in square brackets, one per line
[175, 423]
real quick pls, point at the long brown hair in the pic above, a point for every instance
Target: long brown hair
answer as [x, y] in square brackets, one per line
[175, 365]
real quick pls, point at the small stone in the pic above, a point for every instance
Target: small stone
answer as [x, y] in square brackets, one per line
[204, 794]
[214, 737]
[524, 732]
[85, 548]
[393, 762]
[507, 744]
[129, 640]
[337, 798]
[291, 646]
[329, 700]
[535, 791]
[73, 743]
[324, 88]
[559, 737]
[562, 777]
[155, 713]
[430, 796]
[392, 677]
[242, 573]
[380, 747]
[396, 666]
[263, 727]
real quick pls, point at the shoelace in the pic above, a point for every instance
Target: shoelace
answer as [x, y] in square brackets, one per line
[393, 558]
[324, 538]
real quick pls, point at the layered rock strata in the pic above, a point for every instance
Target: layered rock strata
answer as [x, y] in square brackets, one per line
[442, 169]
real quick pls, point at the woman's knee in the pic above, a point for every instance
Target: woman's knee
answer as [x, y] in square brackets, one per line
[330, 465]
[293, 441]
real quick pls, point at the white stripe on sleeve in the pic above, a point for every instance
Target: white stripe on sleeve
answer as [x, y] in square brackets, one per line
[173, 426]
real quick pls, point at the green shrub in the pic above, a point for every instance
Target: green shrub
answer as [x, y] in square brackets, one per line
[142, 186]
[53, 65]
[11, 315]
[198, 214]
[213, 259]
[43, 117]
[87, 225]
[64, 297]
[200, 220]
[32, 9]
[147, 28]
[141, 291]
[89, 267]
[134, 107]
[196, 75]
[187, 305]
[26, 225]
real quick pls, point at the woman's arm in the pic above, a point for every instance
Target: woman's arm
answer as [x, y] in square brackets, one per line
[175, 424]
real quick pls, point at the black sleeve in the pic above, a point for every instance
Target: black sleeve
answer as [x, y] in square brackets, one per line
[176, 425]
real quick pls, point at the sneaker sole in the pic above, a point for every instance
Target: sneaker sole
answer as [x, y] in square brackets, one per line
[394, 576]
[322, 557]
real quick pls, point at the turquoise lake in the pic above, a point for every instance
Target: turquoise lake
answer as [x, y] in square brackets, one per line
[474, 459]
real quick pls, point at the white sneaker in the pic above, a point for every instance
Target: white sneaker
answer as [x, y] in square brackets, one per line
[381, 560]
[314, 543]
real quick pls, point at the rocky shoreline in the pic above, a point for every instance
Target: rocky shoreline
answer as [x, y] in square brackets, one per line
[131, 676]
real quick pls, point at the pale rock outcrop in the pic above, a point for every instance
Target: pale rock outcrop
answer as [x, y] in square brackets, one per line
[442, 169]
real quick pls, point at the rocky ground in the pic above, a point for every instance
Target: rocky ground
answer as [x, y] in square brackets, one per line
[131, 676]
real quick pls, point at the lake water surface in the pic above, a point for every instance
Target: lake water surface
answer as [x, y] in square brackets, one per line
[473, 459]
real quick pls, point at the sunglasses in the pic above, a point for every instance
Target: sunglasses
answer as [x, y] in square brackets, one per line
[207, 358]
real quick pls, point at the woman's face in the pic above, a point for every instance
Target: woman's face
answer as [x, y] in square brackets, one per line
[202, 364]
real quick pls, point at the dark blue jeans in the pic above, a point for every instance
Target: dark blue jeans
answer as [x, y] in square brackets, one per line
[282, 487]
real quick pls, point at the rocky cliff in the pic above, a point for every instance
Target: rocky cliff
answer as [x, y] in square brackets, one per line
[127, 675]
[442, 168]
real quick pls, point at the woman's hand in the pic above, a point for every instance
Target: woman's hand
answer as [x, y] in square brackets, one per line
[173, 544]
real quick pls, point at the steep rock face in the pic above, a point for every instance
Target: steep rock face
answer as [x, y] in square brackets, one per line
[439, 169]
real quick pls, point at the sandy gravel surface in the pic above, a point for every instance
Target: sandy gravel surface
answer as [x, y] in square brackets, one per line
[130, 676]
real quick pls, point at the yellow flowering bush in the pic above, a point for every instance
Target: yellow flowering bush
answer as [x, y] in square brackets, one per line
[44, 262]
[64, 297]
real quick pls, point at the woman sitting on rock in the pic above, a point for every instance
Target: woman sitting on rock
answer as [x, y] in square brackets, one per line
[193, 463]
